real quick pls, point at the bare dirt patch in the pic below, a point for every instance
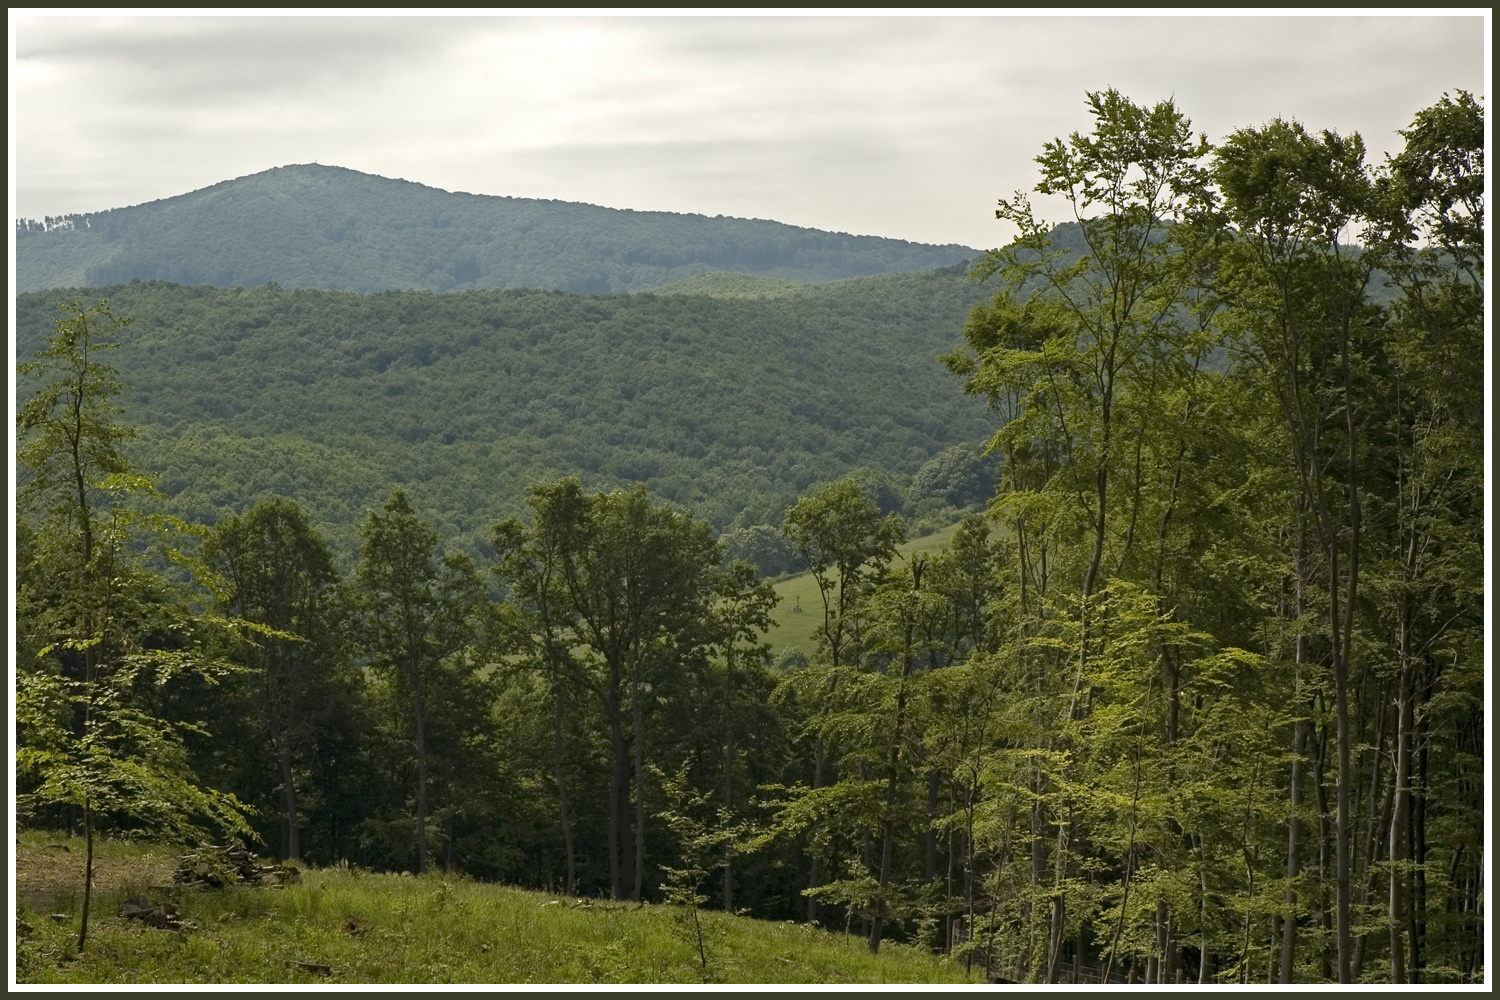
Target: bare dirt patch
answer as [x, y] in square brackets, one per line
[48, 872]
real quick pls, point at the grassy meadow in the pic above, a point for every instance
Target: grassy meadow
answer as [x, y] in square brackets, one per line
[799, 608]
[345, 925]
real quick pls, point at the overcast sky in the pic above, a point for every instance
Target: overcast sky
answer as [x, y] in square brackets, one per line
[908, 127]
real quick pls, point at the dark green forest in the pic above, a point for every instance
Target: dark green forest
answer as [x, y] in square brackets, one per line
[314, 226]
[1196, 697]
[731, 406]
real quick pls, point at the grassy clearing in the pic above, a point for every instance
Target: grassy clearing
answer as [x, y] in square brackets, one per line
[795, 628]
[344, 925]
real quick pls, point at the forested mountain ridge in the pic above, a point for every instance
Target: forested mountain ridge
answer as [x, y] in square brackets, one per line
[731, 406]
[315, 226]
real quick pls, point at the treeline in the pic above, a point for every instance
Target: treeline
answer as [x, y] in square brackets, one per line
[729, 406]
[314, 226]
[1200, 697]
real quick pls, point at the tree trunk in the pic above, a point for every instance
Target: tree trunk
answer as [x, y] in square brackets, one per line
[1419, 846]
[934, 782]
[421, 719]
[1342, 660]
[1325, 959]
[560, 778]
[448, 818]
[1378, 824]
[888, 822]
[1299, 741]
[1203, 956]
[1038, 855]
[729, 772]
[1163, 943]
[1114, 944]
[814, 875]
[1293, 854]
[1345, 777]
[90, 678]
[88, 869]
[1398, 840]
[638, 722]
[290, 846]
[619, 798]
[1055, 936]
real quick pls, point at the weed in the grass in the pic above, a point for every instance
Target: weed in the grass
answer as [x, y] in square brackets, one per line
[442, 896]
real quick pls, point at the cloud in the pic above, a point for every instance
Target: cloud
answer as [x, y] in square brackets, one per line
[898, 126]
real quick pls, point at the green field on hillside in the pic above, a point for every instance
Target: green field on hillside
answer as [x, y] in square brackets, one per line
[799, 609]
[346, 925]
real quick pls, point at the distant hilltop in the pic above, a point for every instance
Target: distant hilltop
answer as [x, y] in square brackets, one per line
[313, 226]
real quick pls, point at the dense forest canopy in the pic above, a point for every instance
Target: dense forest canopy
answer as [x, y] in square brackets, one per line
[728, 405]
[314, 226]
[1197, 696]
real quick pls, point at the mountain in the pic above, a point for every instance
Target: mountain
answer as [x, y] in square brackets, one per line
[730, 399]
[313, 226]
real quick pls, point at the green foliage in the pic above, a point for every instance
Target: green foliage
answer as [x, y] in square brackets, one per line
[622, 598]
[1216, 480]
[278, 573]
[732, 285]
[840, 535]
[763, 547]
[98, 635]
[418, 616]
[724, 406]
[71, 447]
[97, 632]
[695, 842]
[796, 612]
[962, 476]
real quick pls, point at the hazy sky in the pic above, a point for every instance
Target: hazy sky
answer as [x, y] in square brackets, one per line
[908, 127]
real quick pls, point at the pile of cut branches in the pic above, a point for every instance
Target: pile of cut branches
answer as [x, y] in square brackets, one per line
[214, 867]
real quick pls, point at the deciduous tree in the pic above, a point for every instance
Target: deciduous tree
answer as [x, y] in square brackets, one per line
[279, 574]
[418, 608]
[97, 631]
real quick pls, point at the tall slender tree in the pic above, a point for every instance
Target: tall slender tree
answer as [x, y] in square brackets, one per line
[1427, 526]
[1085, 349]
[418, 609]
[741, 614]
[1302, 320]
[92, 621]
[280, 575]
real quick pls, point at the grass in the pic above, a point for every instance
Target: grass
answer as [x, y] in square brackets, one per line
[795, 628]
[344, 925]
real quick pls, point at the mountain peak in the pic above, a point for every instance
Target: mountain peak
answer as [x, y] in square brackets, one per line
[313, 225]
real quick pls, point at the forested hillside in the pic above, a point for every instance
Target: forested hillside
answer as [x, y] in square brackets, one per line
[729, 406]
[314, 226]
[1198, 697]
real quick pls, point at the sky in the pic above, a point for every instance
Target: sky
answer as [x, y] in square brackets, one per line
[901, 126]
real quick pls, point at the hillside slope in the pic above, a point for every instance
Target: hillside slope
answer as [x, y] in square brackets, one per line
[729, 406]
[345, 925]
[314, 226]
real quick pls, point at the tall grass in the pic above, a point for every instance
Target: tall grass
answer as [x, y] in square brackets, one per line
[371, 928]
